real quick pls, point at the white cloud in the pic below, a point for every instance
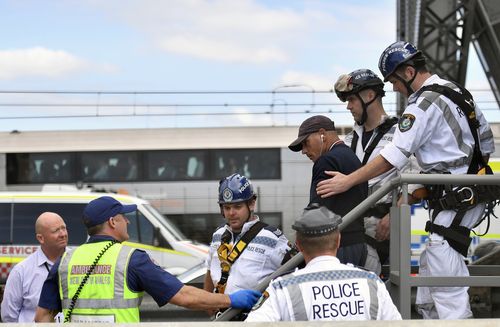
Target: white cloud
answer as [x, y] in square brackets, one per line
[221, 51]
[38, 61]
[222, 30]
[251, 31]
[306, 80]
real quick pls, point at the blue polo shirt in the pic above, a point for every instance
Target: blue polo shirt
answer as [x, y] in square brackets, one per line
[142, 275]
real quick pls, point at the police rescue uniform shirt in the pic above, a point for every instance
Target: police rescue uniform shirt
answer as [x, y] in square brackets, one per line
[142, 275]
[438, 134]
[262, 257]
[326, 290]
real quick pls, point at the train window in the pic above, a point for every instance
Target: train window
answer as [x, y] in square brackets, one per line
[25, 215]
[109, 166]
[5, 223]
[176, 165]
[40, 168]
[134, 166]
[18, 168]
[253, 163]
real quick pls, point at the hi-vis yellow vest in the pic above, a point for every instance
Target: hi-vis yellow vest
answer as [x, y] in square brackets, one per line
[106, 296]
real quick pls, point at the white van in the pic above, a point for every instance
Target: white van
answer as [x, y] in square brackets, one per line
[148, 229]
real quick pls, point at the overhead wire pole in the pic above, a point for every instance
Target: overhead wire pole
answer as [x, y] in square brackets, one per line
[99, 103]
[206, 107]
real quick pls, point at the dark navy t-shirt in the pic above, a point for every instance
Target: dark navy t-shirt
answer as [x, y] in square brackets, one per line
[142, 275]
[342, 159]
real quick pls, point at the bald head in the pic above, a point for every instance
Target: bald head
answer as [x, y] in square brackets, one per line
[46, 219]
[51, 233]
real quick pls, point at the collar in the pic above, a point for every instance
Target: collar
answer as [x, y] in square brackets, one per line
[246, 226]
[41, 258]
[339, 141]
[359, 129]
[99, 238]
[323, 259]
[431, 80]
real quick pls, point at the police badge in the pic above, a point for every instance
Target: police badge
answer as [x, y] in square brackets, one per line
[227, 195]
[406, 122]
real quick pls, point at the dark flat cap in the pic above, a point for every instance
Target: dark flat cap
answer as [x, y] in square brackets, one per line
[309, 126]
[317, 220]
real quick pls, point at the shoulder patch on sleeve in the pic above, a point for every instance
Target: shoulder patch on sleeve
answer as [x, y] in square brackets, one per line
[406, 122]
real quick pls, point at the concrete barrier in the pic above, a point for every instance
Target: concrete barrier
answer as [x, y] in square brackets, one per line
[399, 323]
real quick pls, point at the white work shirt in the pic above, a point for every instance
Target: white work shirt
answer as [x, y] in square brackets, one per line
[379, 180]
[376, 182]
[326, 290]
[439, 135]
[23, 287]
[262, 257]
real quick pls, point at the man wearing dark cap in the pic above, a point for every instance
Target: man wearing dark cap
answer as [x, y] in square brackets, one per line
[103, 281]
[319, 141]
[325, 289]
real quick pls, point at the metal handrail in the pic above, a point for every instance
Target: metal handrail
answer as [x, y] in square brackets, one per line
[400, 277]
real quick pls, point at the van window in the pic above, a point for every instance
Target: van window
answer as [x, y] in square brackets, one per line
[140, 229]
[5, 223]
[25, 215]
[172, 229]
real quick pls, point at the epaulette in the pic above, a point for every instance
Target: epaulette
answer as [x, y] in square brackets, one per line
[275, 230]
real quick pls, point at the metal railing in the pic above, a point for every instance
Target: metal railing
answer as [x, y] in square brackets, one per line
[401, 280]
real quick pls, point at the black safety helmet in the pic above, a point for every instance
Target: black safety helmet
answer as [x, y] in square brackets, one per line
[357, 81]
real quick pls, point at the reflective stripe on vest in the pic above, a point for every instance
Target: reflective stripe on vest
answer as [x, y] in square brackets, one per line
[291, 284]
[124, 304]
[435, 98]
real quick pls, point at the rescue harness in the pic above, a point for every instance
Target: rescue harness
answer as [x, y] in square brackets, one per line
[228, 253]
[462, 198]
[379, 210]
[381, 130]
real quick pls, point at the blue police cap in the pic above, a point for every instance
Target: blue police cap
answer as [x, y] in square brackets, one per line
[317, 220]
[101, 209]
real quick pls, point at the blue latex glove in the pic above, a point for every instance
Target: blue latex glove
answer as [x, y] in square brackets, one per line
[244, 299]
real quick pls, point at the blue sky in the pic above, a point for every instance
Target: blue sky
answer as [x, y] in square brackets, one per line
[185, 45]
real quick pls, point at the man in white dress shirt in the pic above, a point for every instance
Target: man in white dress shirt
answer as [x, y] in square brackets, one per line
[26, 279]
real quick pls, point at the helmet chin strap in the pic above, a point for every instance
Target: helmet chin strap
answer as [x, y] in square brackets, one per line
[250, 213]
[406, 83]
[364, 115]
